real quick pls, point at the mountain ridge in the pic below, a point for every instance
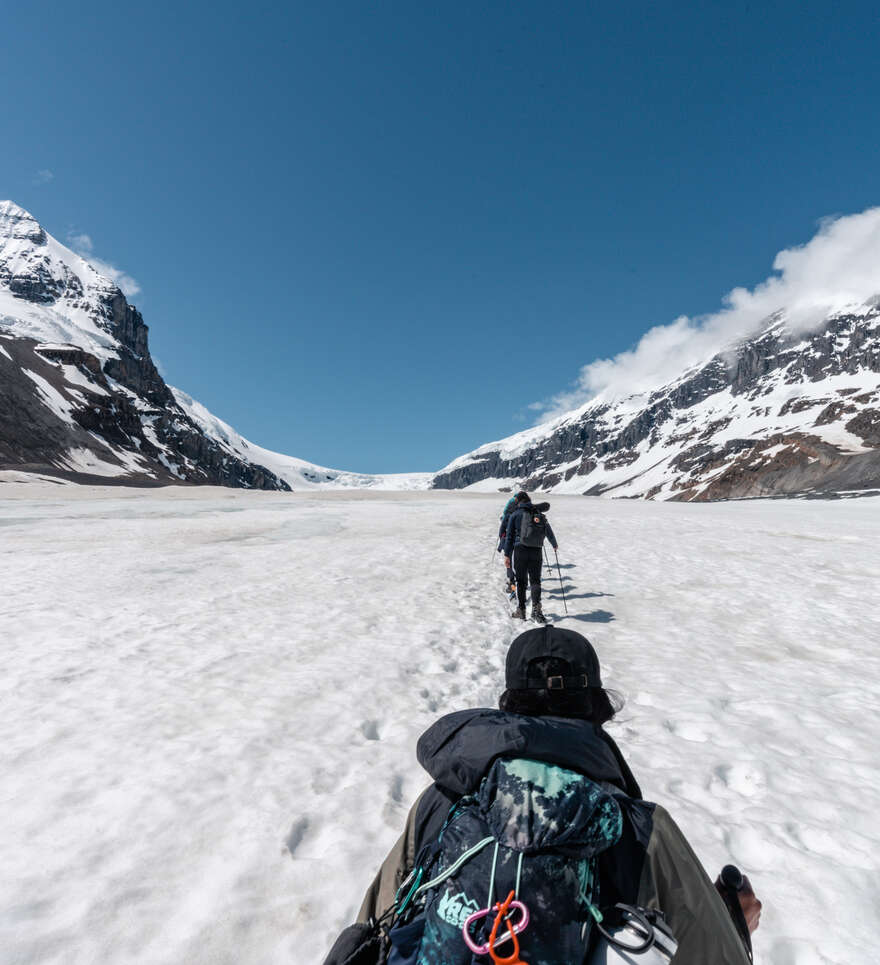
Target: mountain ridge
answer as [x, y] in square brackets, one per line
[781, 412]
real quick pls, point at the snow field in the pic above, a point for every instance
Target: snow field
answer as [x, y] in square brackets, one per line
[212, 698]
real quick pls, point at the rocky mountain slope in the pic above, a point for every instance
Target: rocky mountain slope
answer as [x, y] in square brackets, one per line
[779, 413]
[81, 399]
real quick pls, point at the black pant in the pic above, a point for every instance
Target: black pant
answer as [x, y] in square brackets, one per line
[511, 576]
[528, 560]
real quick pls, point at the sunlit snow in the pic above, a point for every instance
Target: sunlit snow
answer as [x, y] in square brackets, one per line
[211, 700]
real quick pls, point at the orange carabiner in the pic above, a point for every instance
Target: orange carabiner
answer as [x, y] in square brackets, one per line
[513, 959]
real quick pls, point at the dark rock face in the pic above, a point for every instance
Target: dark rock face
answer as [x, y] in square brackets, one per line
[672, 434]
[134, 367]
[140, 445]
[33, 435]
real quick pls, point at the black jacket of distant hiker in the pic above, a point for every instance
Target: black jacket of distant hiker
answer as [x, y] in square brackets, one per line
[514, 526]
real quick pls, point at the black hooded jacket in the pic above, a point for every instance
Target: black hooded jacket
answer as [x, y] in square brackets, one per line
[459, 749]
[514, 526]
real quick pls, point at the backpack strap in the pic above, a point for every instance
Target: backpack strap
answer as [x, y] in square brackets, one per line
[426, 858]
[450, 871]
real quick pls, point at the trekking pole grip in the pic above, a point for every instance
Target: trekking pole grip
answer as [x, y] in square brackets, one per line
[730, 883]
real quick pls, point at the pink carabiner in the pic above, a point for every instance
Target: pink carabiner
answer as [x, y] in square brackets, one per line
[515, 928]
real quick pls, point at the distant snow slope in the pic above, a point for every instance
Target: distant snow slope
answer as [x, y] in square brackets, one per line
[296, 472]
[211, 700]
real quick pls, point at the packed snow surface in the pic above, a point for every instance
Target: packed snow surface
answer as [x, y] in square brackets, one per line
[211, 700]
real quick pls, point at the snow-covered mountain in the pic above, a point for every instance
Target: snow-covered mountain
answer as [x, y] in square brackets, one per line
[779, 413]
[782, 412]
[81, 399]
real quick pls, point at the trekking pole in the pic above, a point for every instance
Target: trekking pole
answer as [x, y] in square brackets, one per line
[561, 586]
[547, 558]
[731, 882]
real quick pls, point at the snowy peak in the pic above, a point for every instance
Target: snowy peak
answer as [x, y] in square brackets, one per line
[49, 293]
[16, 224]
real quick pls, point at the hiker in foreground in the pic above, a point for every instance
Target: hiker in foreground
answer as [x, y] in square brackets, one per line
[527, 528]
[532, 832]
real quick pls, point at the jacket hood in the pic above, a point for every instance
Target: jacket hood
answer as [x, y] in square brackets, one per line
[459, 749]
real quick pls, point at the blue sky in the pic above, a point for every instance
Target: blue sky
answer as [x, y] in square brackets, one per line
[372, 234]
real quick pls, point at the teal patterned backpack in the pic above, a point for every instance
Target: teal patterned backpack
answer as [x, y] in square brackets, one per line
[533, 829]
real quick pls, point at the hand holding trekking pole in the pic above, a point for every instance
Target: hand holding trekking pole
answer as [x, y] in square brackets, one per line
[744, 907]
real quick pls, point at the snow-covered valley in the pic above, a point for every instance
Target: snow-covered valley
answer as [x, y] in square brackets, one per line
[212, 697]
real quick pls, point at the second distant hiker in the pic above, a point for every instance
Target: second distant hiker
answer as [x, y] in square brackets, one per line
[527, 528]
[512, 506]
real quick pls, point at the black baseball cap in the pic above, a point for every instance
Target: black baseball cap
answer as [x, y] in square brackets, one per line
[549, 641]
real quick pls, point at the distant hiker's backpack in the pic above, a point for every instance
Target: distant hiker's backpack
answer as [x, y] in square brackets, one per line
[531, 836]
[532, 527]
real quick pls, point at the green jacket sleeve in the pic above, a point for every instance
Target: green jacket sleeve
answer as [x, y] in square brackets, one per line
[401, 858]
[674, 881]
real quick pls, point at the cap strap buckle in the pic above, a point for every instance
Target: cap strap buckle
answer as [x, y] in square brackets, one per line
[572, 683]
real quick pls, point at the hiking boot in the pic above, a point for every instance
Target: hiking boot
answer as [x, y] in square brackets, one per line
[519, 613]
[538, 614]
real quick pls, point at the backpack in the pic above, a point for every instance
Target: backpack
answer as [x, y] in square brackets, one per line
[531, 834]
[533, 526]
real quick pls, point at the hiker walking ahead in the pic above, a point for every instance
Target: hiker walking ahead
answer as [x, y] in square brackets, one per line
[512, 505]
[535, 803]
[527, 528]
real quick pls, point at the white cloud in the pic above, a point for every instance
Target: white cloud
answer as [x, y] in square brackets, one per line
[43, 176]
[838, 267]
[82, 244]
[127, 285]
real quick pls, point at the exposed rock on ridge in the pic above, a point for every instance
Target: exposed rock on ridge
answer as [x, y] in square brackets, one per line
[780, 413]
